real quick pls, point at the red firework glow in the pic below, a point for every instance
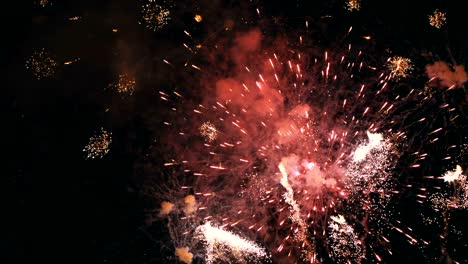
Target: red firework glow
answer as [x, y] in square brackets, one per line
[292, 145]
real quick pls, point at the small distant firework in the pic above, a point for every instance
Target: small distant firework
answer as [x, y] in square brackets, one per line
[437, 19]
[344, 243]
[400, 67]
[98, 145]
[352, 5]
[154, 15]
[41, 64]
[125, 84]
[74, 18]
[208, 131]
[227, 247]
[198, 18]
[43, 3]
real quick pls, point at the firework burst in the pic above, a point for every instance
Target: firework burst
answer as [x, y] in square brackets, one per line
[98, 145]
[155, 15]
[41, 64]
[437, 19]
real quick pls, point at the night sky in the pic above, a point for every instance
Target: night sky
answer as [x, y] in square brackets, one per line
[62, 207]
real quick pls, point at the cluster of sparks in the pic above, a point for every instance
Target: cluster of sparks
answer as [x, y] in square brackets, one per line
[98, 145]
[222, 245]
[124, 85]
[346, 247]
[41, 64]
[456, 197]
[353, 5]
[437, 19]
[208, 131]
[42, 3]
[154, 15]
[400, 67]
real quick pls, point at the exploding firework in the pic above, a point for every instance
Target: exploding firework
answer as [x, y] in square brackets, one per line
[98, 145]
[124, 85]
[43, 3]
[299, 156]
[353, 5]
[437, 19]
[155, 16]
[400, 67]
[208, 130]
[41, 64]
[345, 244]
[300, 141]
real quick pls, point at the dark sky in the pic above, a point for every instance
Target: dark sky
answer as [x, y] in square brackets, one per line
[64, 208]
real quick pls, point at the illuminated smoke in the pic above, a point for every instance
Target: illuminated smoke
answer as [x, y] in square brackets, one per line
[190, 204]
[445, 75]
[166, 208]
[184, 255]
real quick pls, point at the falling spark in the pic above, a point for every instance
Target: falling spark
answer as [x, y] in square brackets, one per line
[209, 131]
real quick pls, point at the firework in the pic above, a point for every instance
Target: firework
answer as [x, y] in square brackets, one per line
[437, 19]
[41, 64]
[302, 135]
[98, 145]
[208, 131]
[345, 244]
[154, 15]
[399, 67]
[198, 18]
[352, 5]
[124, 85]
[42, 3]
[222, 245]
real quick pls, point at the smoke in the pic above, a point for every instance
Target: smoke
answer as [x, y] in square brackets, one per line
[308, 175]
[166, 208]
[446, 75]
[184, 255]
[190, 204]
